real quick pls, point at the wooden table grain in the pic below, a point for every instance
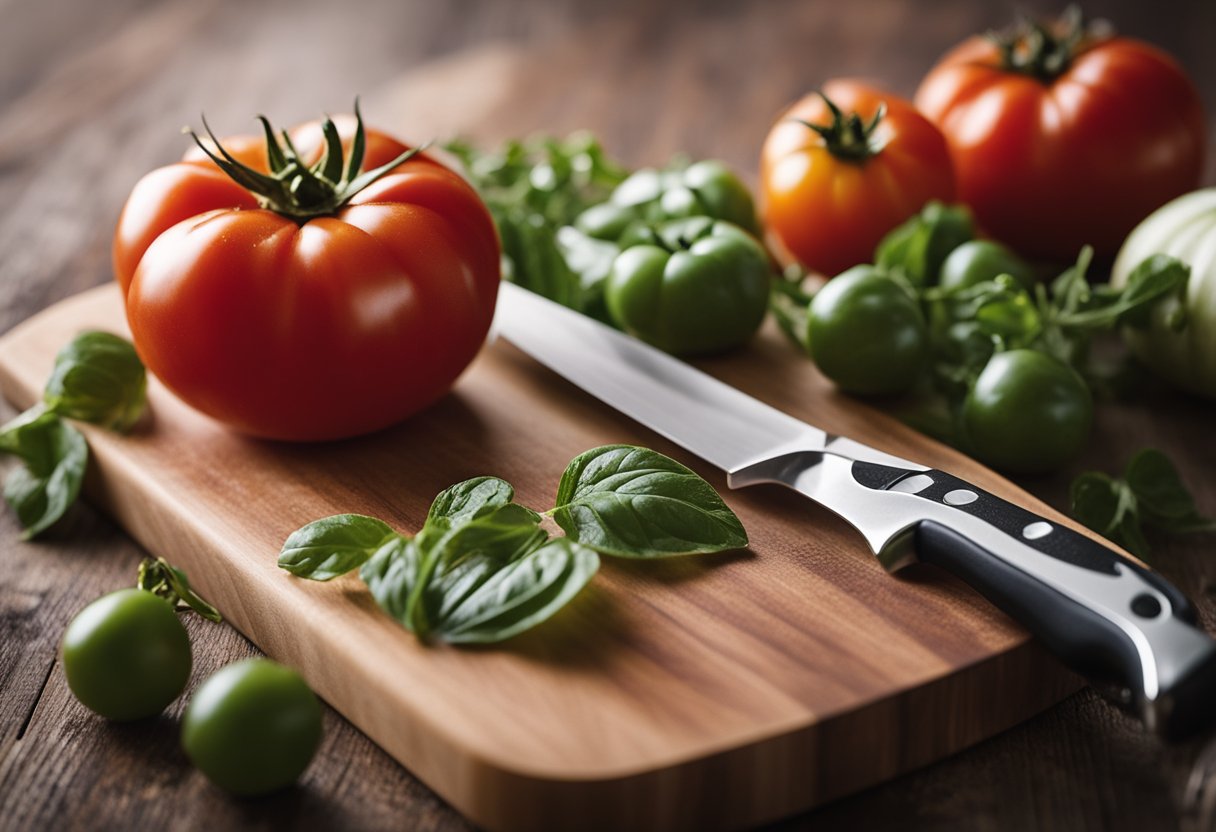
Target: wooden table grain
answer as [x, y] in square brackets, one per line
[92, 94]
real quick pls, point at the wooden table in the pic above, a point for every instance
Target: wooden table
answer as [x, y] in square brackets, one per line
[92, 94]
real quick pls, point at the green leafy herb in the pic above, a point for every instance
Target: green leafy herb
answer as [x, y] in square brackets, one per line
[55, 456]
[482, 602]
[96, 378]
[534, 188]
[970, 324]
[158, 576]
[333, 546]
[918, 248]
[1150, 494]
[481, 569]
[633, 502]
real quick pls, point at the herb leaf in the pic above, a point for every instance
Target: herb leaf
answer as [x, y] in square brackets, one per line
[919, 246]
[1150, 493]
[98, 378]
[1108, 506]
[158, 576]
[497, 604]
[391, 574]
[482, 569]
[634, 502]
[55, 456]
[470, 499]
[533, 189]
[333, 546]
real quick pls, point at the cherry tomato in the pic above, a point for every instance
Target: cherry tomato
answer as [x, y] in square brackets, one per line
[1062, 139]
[1027, 413]
[332, 311]
[867, 333]
[841, 169]
[978, 261]
[126, 655]
[252, 727]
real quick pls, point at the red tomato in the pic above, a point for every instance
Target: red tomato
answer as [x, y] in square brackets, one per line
[829, 194]
[1061, 140]
[310, 327]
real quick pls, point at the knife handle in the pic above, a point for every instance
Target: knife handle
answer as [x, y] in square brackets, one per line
[1104, 615]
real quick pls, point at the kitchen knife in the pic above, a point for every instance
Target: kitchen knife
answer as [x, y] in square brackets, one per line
[1107, 617]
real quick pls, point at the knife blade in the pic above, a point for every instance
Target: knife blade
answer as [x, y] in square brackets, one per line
[1104, 615]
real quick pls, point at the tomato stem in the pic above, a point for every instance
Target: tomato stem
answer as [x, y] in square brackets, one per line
[294, 188]
[1045, 51]
[848, 137]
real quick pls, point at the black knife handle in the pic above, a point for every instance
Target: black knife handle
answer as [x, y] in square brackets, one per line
[1102, 614]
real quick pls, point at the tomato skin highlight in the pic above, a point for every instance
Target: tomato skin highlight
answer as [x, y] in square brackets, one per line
[829, 213]
[332, 327]
[1049, 166]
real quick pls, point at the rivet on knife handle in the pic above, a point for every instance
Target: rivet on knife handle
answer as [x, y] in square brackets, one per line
[1105, 616]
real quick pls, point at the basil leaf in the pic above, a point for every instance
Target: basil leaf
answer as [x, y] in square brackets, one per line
[633, 502]
[470, 499]
[1150, 494]
[392, 575]
[1070, 291]
[1108, 506]
[158, 576]
[495, 604]
[919, 246]
[532, 189]
[55, 456]
[1158, 488]
[507, 533]
[1164, 500]
[1156, 278]
[333, 546]
[98, 378]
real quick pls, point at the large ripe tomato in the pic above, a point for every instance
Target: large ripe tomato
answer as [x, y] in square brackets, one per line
[1061, 139]
[310, 313]
[835, 177]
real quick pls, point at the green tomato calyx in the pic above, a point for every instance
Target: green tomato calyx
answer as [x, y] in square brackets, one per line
[294, 188]
[848, 136]
[1045, 51]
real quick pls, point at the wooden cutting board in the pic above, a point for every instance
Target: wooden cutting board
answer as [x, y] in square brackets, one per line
[710, 692]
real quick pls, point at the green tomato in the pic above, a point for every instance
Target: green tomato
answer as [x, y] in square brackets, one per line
[699, 286]
[252, 727]
[867, 334]
[126, 655]
[979, 261]
[1027, 413]
[715, 192]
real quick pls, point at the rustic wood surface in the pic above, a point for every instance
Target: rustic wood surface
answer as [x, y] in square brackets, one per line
[92, 94]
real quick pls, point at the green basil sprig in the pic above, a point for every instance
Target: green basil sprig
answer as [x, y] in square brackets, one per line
[534, 189]
[1150, 494]
[158, 576]
[96, 378]
[482, 569]
[636, 503]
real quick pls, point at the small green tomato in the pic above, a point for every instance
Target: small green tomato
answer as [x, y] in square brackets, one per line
[126, 655]
[252, 727]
